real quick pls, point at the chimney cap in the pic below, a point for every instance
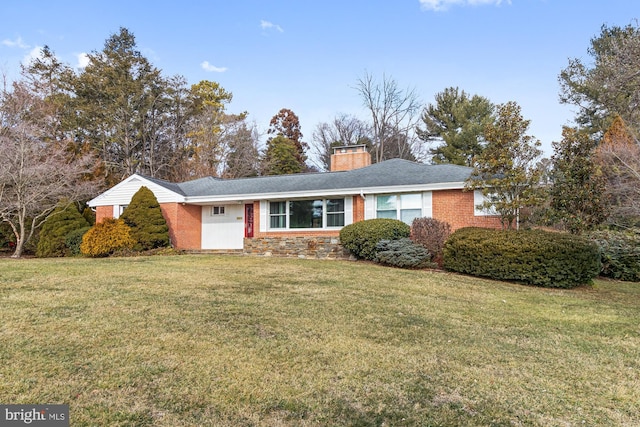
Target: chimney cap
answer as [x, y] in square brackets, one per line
[350, 149]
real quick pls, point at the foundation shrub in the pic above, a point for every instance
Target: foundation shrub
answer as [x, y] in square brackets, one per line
[431, 234]
[74, 240]
[362, 237]
[403, 253]
[63, 220]
[144, 216]
[534, 257]
[620, 253]
[106, 238]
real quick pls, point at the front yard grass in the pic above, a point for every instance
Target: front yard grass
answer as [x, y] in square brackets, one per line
[247, 341]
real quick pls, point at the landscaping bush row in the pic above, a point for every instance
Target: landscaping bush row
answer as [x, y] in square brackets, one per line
[620, 253]
[534, 257]
[140, 228]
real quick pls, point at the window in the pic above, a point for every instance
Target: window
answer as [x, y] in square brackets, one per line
[278, 215]
[121, 209]
[335, 213]
[217, 210]
[405, 207]
[306, 214]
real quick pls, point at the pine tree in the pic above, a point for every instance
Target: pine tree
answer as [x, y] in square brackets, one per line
[144, 216]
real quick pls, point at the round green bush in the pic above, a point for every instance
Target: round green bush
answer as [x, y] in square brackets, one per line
[361, 238]
[535, 257]
[620, 253]
[61, 221]
[403, 253]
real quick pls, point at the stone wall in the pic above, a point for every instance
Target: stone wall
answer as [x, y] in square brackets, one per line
[299, 247]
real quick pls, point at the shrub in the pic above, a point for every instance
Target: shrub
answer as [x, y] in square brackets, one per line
[403, 253]
[64, 219]
[107, 237]
[431, 234]
[361, 238]
[533, 257]
[620, 254]
[74, 240]
[144, 216]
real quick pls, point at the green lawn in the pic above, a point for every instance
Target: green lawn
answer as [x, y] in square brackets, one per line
[247, 341]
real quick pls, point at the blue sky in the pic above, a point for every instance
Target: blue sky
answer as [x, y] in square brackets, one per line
[308, 55]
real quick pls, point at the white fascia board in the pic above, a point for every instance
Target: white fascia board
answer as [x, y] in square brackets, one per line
[112, 196]
[204, 200]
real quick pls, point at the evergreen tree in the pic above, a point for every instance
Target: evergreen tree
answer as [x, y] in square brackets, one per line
[63, 220]
[281, 157]
[143, 215]
[578, 197]
[456, 121]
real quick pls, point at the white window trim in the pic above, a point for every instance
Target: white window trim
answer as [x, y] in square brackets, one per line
[426, 207]
[265, 215]
[478, 200]
[220, 208]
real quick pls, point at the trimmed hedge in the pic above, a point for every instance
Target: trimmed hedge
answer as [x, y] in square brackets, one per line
[620, 253]
[535, 257]
[403, 253]
[361, 238]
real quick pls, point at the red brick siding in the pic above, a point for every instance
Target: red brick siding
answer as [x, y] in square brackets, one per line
[457, 208]
[185, 225]
[103, 212]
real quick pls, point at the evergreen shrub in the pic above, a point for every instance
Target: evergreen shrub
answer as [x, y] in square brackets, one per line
[535, 257]
[144, 216]
[74, 240]
[64, 219]
[620, 253]
[107, 237]
[432, 234]
[403, 253]
[361, 238]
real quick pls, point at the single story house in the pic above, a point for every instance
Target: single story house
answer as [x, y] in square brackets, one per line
[302, 214]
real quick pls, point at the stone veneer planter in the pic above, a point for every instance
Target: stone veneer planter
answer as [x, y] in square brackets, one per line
[299, 247]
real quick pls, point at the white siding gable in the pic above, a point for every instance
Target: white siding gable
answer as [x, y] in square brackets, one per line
[122, 193]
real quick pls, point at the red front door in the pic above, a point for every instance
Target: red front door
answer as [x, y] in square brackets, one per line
[248, 220]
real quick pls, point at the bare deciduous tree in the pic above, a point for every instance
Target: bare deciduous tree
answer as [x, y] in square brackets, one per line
[343, 130]
[36, 172]
[394, 112]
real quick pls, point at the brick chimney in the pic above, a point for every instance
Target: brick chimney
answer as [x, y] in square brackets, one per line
[350, 157]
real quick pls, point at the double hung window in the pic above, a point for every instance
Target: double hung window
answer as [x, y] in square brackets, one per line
[405, 207]
[306, 214]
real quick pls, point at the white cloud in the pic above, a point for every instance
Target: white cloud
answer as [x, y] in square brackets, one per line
[83, 60]
[34, 53]
[442, 5]
[266, 25]
[210, 67]
[15, 43]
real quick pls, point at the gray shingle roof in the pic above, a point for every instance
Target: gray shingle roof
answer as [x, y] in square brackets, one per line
[395, 172]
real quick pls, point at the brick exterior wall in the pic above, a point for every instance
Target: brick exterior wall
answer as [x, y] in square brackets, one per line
[103, 212]
[185, 225]
[457, 208]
